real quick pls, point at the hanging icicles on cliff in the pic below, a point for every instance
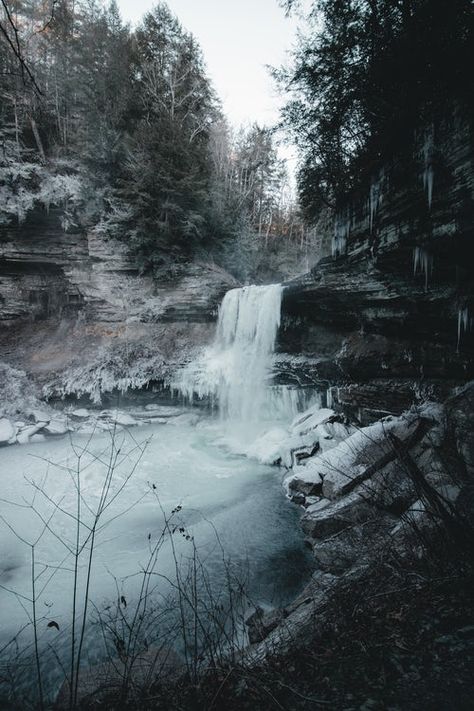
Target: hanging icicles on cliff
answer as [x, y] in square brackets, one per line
[422, 262]
[234, 371]
[465, 323]
[428, 167]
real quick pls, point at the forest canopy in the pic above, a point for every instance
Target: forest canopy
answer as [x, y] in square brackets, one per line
[125, 130]
[126, 125]
[366, 74]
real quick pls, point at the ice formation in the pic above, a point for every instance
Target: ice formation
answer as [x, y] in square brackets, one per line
[234, 373]
[464, 322]
[428, 169]
[342, 226]
[375, 197]
[422, 262]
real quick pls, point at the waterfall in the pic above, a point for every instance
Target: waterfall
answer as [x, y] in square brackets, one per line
[235, 371]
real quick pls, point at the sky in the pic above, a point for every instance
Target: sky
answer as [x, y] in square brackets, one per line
[238, 38]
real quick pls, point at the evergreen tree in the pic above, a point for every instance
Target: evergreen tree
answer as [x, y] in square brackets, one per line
[366, 74]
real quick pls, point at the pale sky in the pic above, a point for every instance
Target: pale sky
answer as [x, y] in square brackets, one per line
[238, 38]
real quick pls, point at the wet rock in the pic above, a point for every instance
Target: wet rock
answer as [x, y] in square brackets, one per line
[305, 485]
[325, 518]
[297, 498]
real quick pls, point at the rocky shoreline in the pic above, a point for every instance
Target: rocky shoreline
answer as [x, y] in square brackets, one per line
[41, 424]
[380, 489]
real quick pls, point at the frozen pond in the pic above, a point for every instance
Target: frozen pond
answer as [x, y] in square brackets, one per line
[231, 507]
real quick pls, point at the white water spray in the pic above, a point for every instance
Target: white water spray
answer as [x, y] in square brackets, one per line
[235, 371]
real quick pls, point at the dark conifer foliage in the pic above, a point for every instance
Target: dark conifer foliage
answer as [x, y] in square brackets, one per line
[364, 77]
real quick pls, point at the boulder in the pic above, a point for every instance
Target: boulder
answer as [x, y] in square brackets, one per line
[40, 416]
[123, 419]
[80, 414]
[24, 435]
[325, 518]
[187, 419]
[7, 431]
[353, 545]
[309, 420]
[304, 484]
[57, 426]
[363, 454]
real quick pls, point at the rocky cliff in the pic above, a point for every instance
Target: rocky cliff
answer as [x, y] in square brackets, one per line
[77, 315]
[388, 316]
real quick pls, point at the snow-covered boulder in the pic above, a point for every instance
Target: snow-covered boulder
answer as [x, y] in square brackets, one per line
[187, 419]
[326, 518]
[7, 431]
[343, 467]
[40, 416]
[57, 426]
[310, 419]
[270, 447]
[80, 414]
[306, 485]
[122, 418]
[155, 410]
[24, 435]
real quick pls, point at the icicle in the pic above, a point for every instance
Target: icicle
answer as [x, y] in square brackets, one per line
[428, 169]
[423, 262]
[375, 198]
[464, 323]
[342, 226]
[329, 399]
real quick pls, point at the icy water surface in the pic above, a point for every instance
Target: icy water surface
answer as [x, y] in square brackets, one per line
[231, 507]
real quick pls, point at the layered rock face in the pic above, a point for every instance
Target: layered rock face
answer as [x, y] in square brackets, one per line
[76, 314]
[388, 317]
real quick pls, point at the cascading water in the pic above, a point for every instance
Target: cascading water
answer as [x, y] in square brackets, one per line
[235, 370]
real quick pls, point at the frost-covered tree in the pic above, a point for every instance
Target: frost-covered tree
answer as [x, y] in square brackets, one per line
[166, 177]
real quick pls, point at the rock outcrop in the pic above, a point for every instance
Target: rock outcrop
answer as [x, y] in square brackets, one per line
[383, 489]
[99, 324]
[387, 319]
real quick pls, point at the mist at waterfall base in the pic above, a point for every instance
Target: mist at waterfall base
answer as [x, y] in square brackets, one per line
[234, 374]
[232, 506]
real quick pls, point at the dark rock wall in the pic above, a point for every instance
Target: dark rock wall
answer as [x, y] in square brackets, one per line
[392, 310]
